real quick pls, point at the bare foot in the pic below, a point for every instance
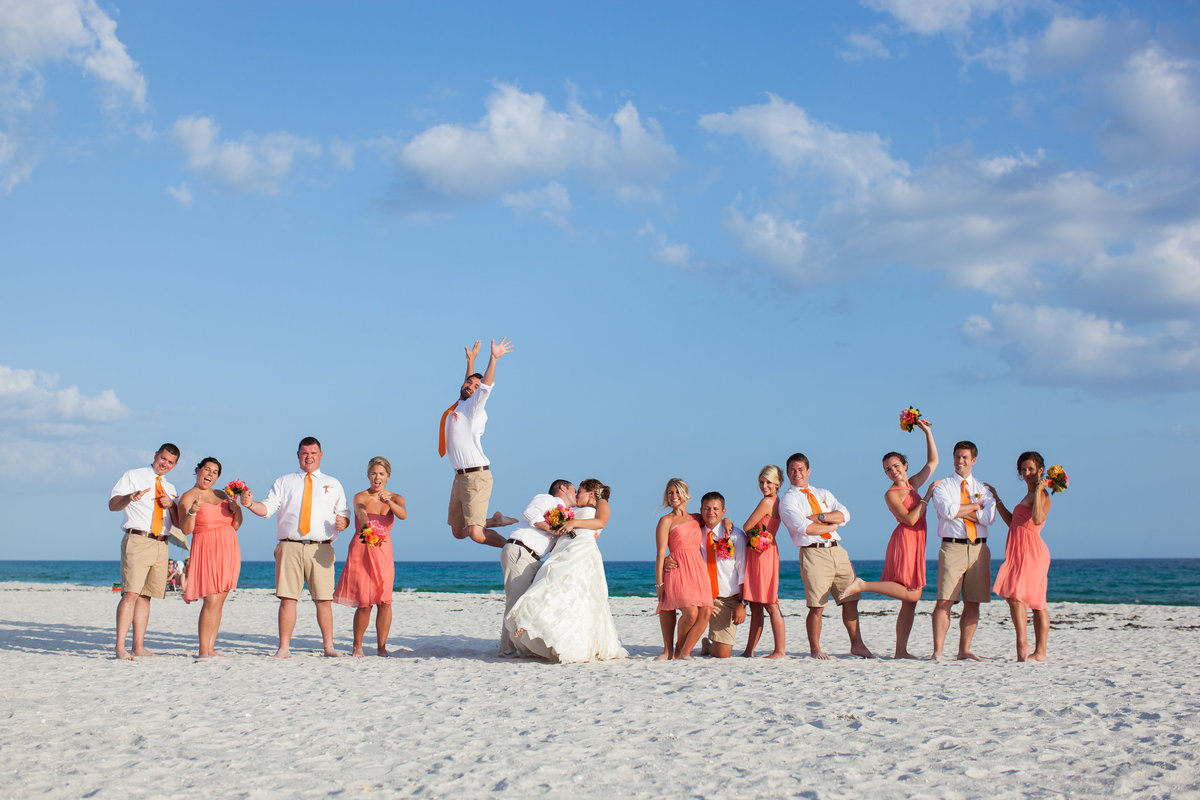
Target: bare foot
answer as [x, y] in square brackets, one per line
[144, 653]
[748, 654]
[935, 656]
[969, 656]
[778, 654]
[358, 653]
[517, 633]
[663, 656]
[1022, 652]
[331, 653]
[498, 520]
[861, 651]
[854, 588]
[282, 652]
[819, 654]
[1036, 656]
[688, 657]
[903, 654]
[383, 652]
[705, 646]
[122, 655]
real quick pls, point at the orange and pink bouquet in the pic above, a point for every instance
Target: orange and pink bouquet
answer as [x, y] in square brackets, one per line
[759, 537]
[909, 418]
[723, 545]
[236, 488]
[372, 534]
[556, 516]
[1058, 479]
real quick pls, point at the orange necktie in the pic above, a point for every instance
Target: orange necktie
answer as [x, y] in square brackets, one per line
[816, 509]
[965, 497]
[711, 556]
[156, 524]
[306, 505]
[442, 430]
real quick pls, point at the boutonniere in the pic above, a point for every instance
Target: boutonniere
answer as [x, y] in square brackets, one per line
[326, 488]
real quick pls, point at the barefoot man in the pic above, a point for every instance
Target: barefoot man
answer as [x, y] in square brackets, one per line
[965, 508]
[460, 437]
[149, 505]
[812, 517]
[726, 574]
[312, 512]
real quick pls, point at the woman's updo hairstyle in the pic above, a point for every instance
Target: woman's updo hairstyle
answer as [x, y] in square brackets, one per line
[381, 462]
[596, 487]
[1031, 455]
[209, 460]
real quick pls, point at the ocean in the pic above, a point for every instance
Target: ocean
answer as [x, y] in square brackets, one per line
[1139, 581]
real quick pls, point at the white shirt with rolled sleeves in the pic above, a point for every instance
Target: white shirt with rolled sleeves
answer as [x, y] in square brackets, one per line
[139, 514]
[794, 509]
[947, 500]
[464, 431]
[731, 572]
[328, 503]
[537, 540]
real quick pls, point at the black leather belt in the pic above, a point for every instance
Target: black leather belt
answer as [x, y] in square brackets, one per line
[305, 541]
[524, 547]
[966, 541]
[147, 534]
[470, 469]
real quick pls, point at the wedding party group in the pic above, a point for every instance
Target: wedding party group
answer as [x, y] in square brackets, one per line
[708, 571]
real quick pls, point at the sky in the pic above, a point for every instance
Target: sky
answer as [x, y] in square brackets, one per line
[716, 234]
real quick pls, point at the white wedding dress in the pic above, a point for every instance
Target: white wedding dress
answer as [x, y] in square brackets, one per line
[564, 615]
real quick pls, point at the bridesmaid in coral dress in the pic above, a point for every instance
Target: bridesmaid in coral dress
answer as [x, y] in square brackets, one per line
[685, 588]
[370, 570]
[904, 562]
[1021, 579]
[212, 519]
[761, 586]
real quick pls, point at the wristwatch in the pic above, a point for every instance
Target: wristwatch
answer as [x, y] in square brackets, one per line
[821, 517]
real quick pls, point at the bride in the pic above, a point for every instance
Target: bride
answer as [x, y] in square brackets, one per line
[564, 616]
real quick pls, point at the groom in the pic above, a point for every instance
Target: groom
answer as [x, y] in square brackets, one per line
[522, 554]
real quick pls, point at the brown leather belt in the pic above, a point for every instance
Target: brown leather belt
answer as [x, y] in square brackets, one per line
[147, 534]
[470, 469]
[821, 544]
[524, 547]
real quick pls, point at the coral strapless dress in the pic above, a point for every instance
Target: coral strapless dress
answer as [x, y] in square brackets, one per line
[369, 572]
[904, 561]
[216, 556]
[761, 584]
[1022, 576]
[687, 584]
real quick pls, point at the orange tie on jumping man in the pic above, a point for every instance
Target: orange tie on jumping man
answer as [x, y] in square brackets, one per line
[816, 509]
[442, 430]
[710, 552]
[156, 524]
[968, 524]
[306, 505]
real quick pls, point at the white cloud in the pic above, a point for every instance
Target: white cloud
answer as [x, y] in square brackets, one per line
[551, 203]
[1066, 347]
[673, 254]
[342, 153]
[863, 46]
[943, 16]
[1156, 102]
[181, 193]
[522, 139]
[256, 164]
[780, 243]
[795, 141]
[27, 395]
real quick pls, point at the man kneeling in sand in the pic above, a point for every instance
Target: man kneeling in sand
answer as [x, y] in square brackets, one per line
[521, 556]
[725, 553]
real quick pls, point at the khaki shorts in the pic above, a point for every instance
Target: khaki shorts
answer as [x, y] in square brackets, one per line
[469, 499]
[721, 627]
[965, 569]
[143, 566]
[824, 569]
[297, 563]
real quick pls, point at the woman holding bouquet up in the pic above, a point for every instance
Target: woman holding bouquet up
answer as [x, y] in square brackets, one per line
[564, 615]
[761, 586]
[686, 588]
[904, 562]
[212, 518]
[370, 570]
[1021, 579]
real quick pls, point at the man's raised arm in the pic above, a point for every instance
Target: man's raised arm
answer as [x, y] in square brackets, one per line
[504, 348]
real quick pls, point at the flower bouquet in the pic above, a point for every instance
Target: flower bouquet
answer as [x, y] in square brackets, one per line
[759, 537]
[372, 534]
[723, 545]
[909, 418]
[235, 488]
[1058, 479]
[556, 516]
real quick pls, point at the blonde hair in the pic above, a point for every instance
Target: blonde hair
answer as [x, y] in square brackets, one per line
[772, 473]
[382, 462]
[596, 487]
[680, 486]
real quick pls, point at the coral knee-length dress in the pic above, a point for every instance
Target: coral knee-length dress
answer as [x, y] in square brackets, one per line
[370, 572]
[1026, 565]
[216, 556]
[904, 561]
[688, 583]
[761, 584]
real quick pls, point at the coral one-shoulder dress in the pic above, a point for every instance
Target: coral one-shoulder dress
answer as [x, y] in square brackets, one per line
[370, 572]
[688, 583]
[761, 584]
[1022, 576]
[216, 556]
[904, 561]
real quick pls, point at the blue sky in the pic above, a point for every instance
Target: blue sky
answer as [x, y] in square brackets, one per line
[716, 233]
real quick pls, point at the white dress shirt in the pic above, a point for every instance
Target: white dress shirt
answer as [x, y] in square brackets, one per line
[328, 503]
[794, 509]
[537, 540]
[140, 513]
[731, 572]
[947, 500]
[464, 431]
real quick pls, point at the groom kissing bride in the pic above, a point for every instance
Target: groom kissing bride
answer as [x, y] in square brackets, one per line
[555, 591]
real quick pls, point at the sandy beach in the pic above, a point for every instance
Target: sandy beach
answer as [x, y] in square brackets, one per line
[1114, 713]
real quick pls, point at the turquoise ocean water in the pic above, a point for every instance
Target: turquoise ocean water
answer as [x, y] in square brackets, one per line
[1150, 581]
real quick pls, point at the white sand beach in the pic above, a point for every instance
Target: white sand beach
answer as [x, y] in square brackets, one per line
[1113, 714]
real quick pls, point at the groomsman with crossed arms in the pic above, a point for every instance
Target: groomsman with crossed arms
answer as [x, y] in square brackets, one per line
[965, 508]
[812, 517]
[312, 511]
[149, 505]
